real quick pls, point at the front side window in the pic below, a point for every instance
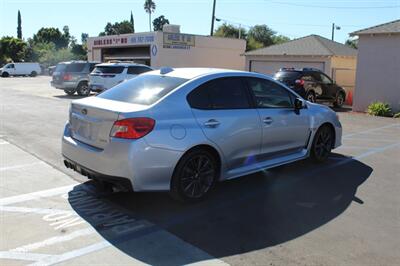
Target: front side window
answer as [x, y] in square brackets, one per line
[144, 89]
[10, 66]
[223, 93]
[268, 94]
[325, 79]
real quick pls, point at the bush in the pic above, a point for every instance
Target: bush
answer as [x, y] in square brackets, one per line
[397, 115]
[379, 109]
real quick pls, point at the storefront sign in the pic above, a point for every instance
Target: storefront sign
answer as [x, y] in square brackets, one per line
[178, 40]
[115, 41]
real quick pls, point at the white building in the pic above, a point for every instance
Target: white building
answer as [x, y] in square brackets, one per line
[169, 48]
[378, 66]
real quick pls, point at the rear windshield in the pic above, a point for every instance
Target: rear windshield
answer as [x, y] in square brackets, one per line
[287, 75]
[145, 89]
[108, 70]
[60, 67]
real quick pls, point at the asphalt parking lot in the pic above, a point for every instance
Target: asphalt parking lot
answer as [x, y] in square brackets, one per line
[343, 212]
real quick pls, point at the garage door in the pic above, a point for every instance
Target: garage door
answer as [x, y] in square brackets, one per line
[271, 67]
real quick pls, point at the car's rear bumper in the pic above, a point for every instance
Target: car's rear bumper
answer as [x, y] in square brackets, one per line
[64, 85]
[147, 168]
[97, 87]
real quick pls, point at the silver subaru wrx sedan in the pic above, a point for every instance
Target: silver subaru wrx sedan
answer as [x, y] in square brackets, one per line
[183, 129]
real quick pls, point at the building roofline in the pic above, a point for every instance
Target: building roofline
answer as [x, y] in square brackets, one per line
[360, 32]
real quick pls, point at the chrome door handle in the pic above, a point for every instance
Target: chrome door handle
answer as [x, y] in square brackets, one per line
[268, 120]
[211, 123]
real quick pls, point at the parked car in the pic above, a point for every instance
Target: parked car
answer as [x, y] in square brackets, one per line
[73, 76]
[313, 85]
[51, 70]
[20, 69]
[181, 130]
[107, 75]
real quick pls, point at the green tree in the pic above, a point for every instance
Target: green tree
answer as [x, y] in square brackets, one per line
[117, 28]
[13, 49]
[19, 27]
[229, 31]
[84, 37]
[133, 23]
[352, 42]
[51, 35]
[149, 7]
[278, 39]
[262, 34]
[159, 22]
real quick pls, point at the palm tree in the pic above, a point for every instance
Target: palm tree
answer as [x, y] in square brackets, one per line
[149, 7]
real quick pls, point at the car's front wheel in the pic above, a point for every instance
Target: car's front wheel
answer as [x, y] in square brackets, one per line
[5, 75]
[339, 101]
[322, 144]
[194, 176]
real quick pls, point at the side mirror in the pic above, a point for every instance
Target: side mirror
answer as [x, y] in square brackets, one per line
[298, 104]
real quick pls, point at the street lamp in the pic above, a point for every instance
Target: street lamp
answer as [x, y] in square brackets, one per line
[334, 27]
[212, 19]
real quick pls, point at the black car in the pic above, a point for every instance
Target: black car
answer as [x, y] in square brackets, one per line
[312, 84]
[73, 76]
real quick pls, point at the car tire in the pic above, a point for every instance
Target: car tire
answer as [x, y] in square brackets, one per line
[70, 93]
[194, 176]
[33, 74]
[322, 144]
[5, 75]
[310, 96]
[83, 89]
[339, 101]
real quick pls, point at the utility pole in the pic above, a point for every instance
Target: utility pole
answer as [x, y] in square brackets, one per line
[240, 30]
[333, 30]
[212, 19]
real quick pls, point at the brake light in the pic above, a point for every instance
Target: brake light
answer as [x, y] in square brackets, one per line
[132, 128]
[67, 77]
[299, 82]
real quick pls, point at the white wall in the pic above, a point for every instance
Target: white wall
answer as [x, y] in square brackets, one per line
[207, 52]
[378, 71]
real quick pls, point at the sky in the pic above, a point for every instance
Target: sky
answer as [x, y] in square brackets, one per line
[287, 17]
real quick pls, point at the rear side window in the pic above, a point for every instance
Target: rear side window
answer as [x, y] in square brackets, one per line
[223, 93]
[144, 89]
[60, 67]
[136, 70]
[75, 67]
[269, 94]
[108, 69]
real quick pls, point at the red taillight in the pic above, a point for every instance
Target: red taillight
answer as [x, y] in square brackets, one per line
[132, 128]
[299, 82]
[67, 77]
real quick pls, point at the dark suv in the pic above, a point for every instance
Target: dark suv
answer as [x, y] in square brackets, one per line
[312, 84]
[73, 77]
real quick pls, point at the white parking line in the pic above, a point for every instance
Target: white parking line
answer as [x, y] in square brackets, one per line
[19, 166]
[36, 195]
[32, 210]
[22, 256]
[55, 240]
[370, 130]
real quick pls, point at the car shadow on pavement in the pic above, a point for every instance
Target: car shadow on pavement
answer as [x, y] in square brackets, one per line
[72, 97]
[242, 215]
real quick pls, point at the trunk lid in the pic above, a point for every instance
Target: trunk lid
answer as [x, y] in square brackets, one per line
[104, 80]
[91, 119]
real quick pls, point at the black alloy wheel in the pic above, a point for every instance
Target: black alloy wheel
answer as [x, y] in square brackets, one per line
[194, 176]
[322, 144]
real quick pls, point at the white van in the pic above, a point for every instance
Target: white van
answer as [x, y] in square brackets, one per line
[20, 69]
